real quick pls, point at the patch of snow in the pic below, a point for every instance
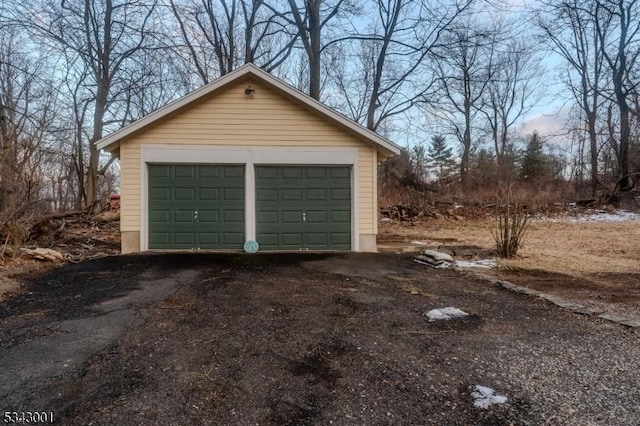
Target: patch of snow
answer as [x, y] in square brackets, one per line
[484, 397]
[481, 263]
[602, 216]
[445, 314]
[420, 243]
[599, 217]
[385, 219]
[444, 264]
[457, 206]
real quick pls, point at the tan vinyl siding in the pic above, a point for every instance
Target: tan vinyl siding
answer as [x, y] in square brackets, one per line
[230, 118]
[365, 191]
[130, 187]
[374, 189]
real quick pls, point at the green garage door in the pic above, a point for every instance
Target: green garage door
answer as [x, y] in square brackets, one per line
[196, 206]
[303, 207]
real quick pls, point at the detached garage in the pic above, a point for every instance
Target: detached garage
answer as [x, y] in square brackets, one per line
[248, 158]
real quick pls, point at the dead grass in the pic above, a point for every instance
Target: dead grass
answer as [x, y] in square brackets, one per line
[578, 249]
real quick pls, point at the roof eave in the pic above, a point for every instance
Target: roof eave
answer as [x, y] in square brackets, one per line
[112, 142]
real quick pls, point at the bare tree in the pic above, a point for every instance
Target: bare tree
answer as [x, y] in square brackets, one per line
[388, 71]
[513, 90]
[105, 37]
[26, 113]
[309, 20]
[463, 66]
[569, 28]
[618, 28]
[410, 32]
[220, 35]
[351, 89]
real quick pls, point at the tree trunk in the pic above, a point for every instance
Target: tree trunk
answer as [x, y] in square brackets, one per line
[593, 147]
[314, 53]
[8, 189]
[623, 157]
[466, 142]
[94, 155]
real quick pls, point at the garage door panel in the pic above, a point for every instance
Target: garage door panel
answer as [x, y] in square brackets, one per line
[233, 238]
[316, 216]
[183, 216]
[265, 173]
[316, 172]
[268, 240]
[316, 194]
[209, 171]
[177, 192]
[292, 195]
[299, 207]
[184, 194]
[292, 239]
[233, 194]
[267, 217]
[160, 216]
[317, 239]
[184, 171]
[234, 172]
[339, 194]
[338, 216]
[208, 194]
[291, 172]
[160, 194]
[184, 238]
[294, 216]
[233, 216]
[160, 171]
[267, 195]
[210, 216]
[159, 238]
[340, 172]
[209, 239]
[340, 238]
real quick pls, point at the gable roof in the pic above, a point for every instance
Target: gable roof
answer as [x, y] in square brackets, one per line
[112, 141]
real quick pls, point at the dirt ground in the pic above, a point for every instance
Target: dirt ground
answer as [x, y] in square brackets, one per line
[594, 262]
[299, 340]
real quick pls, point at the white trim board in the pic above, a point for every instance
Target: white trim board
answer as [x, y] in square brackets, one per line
[250, 157]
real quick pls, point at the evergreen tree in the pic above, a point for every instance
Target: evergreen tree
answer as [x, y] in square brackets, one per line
[535, 164]
[419, 162]
[482, 168]
[440, 157]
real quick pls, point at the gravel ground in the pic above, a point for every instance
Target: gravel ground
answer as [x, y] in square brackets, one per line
[307, 339]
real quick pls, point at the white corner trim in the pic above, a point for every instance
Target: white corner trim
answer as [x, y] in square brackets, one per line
[250, 156]
[355, 206]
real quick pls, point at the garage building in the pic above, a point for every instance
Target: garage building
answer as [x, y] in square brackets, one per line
[248, 157]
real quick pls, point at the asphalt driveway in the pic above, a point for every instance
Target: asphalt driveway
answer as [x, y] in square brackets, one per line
[303, 339]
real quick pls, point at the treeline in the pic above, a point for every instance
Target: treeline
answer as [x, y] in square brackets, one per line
[469, 70]
[434, 169]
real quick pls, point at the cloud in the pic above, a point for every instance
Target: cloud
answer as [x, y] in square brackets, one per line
[549, 124]
[545, 124]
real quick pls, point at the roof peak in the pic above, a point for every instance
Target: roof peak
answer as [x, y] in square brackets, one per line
[112, 141]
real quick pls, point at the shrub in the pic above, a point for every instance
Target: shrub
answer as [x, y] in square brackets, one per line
[512, 221]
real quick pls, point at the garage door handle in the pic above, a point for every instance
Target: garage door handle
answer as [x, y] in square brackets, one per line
[195, 215]
[304, 217]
